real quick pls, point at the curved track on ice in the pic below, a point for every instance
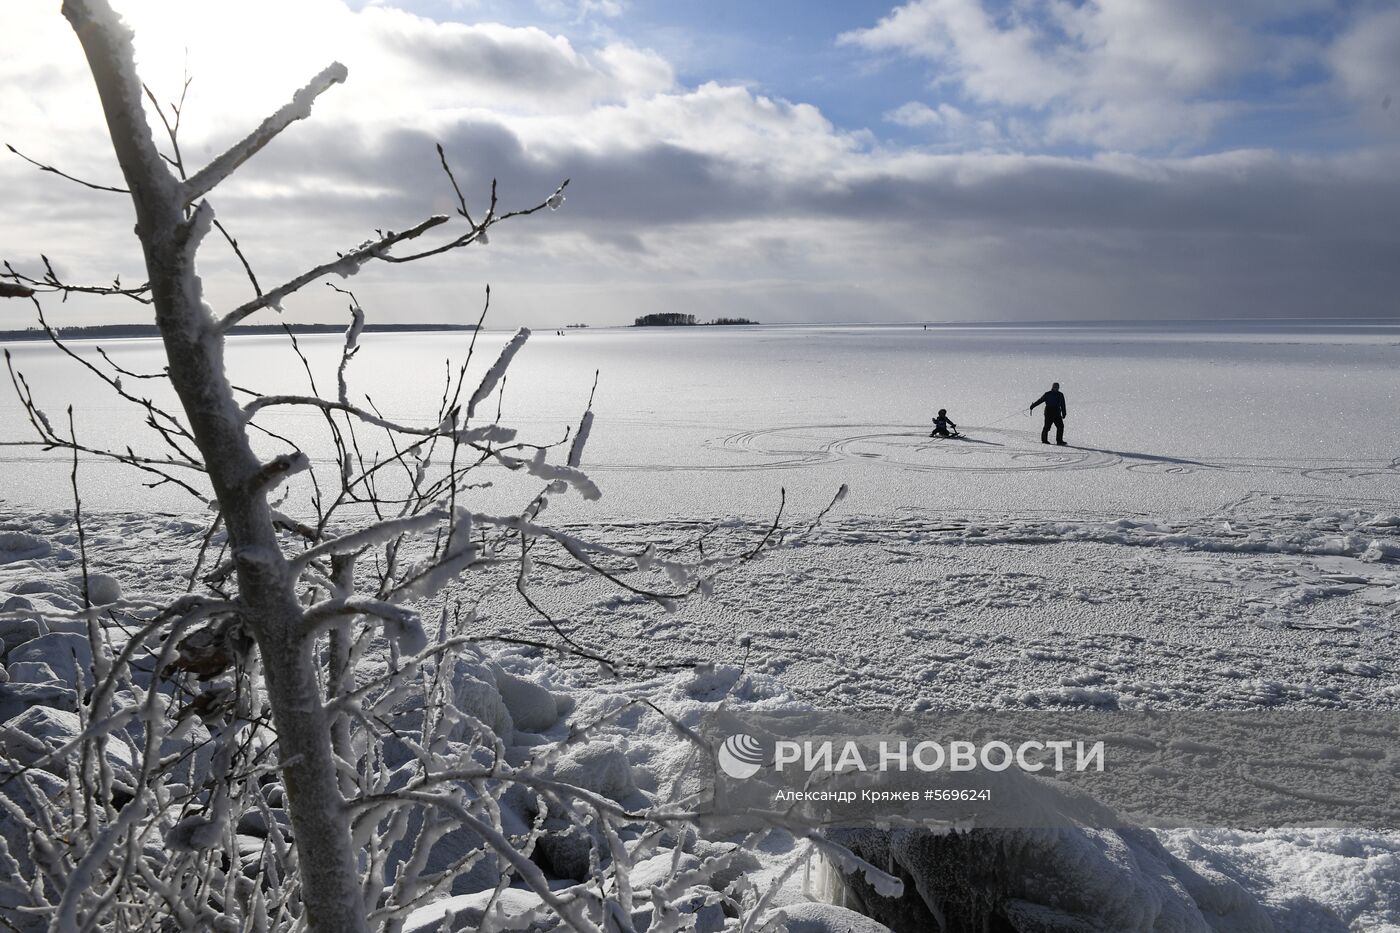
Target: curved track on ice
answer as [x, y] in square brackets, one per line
[995, 450]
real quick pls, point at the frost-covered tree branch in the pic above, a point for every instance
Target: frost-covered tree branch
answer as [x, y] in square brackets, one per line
[23, 286]
[344, 265]
[204, 180]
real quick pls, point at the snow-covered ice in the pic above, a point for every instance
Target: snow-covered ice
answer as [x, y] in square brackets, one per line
[713, 421]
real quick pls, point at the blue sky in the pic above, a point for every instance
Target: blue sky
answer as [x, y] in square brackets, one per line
[784, 48]
[790, 161]
[803, 51]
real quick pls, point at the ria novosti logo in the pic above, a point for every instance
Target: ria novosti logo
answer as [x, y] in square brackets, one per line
[740, 756]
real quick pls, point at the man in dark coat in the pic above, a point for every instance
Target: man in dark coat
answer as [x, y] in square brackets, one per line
[1055, 411]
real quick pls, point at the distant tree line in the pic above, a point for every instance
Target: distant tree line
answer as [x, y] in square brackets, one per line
[665, 319]
[674, 319]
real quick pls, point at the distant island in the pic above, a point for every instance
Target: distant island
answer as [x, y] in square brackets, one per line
[99, 331]
[672, 319]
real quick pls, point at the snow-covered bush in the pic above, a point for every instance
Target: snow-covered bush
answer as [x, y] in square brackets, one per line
[293, 744]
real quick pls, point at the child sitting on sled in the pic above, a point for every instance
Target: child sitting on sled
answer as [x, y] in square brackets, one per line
[941, 424]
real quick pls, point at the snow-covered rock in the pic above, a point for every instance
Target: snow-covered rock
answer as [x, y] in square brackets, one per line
[828, 918]
[737, 862]
[656, 870]
[68, 654]
[32, 736]
[17, 631]
[31, 672]
[254, 822]
[49, 589]
[102, 588]
[467, 911]
[598, 766]
[17, 696]
[1046, 881]
[1313, 878]
[704, 903]
[474, 691]
[251, 849]
[532, 707]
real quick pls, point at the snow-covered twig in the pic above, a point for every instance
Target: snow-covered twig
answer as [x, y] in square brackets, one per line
[346, 264]
[204, 180]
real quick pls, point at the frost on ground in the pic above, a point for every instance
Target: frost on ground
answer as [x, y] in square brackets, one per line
[1268, 603]
[1272, 602]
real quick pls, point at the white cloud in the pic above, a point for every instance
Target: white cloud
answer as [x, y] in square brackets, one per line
[609, 8]
[915, 113]
[950, 124]
[246, 58]
[580, 10]
[1366, 56]
[746, 130]
[1127, 74]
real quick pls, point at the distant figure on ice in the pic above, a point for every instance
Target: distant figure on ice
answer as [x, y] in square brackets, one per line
[941, 424]
[1055, 411]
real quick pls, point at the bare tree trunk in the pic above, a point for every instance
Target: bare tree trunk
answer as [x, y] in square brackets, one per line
[340, 679]
[170, 236]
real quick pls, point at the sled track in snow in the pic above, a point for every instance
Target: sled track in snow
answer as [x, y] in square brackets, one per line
[914, 451]
[999, 450]
[994, 450]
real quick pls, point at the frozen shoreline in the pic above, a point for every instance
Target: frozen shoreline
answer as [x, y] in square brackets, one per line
[1271, 603]
[1272, 606]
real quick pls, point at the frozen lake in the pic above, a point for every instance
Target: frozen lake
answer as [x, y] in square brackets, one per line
[1224, 535]
[711, 421]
